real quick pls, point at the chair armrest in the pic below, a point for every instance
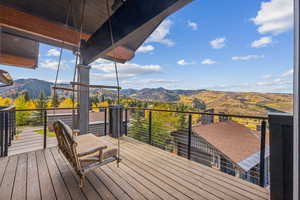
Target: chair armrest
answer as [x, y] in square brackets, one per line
[100, 148]
[76, 132]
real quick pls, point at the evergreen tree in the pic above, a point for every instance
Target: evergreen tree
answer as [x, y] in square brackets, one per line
[26, 96]
[41, 103]
[199, 104]
[55, 100]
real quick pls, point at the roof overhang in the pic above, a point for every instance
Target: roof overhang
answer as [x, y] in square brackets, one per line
[45, 21]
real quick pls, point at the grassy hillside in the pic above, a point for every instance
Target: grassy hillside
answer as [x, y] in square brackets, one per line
[245, 103]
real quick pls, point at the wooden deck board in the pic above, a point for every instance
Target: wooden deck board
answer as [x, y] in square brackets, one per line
[19, 190]
[33, 182]
[145, 173]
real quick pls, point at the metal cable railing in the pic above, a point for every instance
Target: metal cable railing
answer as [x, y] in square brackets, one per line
[199, 136]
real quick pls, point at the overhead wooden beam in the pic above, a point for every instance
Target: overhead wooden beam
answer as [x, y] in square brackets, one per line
[21, 21]
[6, 59]
[120, 53]
[129, 17]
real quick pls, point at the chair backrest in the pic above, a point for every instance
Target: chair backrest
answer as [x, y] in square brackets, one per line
[67, 144]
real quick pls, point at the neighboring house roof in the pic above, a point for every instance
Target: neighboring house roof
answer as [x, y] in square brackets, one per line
[237, 142]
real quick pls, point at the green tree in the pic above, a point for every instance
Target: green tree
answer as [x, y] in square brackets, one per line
[26, 96]
[199, 104]
[41, 103]
[55, 100]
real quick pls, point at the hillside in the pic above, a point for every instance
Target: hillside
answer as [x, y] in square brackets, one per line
[250, 103]
[245, 103]
[32, 86]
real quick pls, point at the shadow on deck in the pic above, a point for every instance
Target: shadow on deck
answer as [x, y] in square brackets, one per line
[144, 173]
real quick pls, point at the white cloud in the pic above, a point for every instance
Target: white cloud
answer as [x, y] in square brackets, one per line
[248, 57]
[160, 34]
[149, 83]
[288, 73]
[52, 64]
[193, 25]
[145, 48]
[276, 85]
[128, 70]
[262, 42]
[208, 61]
[275, 16]
[267, 76]
[183, 62]
[53, 52]
[218, 43]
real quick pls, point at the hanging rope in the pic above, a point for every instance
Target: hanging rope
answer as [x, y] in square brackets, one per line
[60, 54]
[117, 77]
[76, 62]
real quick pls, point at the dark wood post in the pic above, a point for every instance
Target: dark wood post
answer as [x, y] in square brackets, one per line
[45, 129]
[150, 128]
[6, 136]
[126, 121]
[105, 121]
[1, 134]
[281, 156]
[262, 154]
[189, 137]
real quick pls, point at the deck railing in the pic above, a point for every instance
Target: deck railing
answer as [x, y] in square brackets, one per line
[174, 131]
[7, 128]
[170, 130]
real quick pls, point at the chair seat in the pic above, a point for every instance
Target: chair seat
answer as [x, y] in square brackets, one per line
[89, 142]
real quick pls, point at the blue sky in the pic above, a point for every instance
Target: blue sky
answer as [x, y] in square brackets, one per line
[210, 44]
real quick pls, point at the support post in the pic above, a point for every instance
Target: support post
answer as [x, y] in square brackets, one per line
[189, 137]
[126, 121]
[1, 134]
[296, 141]
[281, 156]
[150, 128]
[105, 121]
[45, 129]
[6, 136]
[83, 77]
[262, 154]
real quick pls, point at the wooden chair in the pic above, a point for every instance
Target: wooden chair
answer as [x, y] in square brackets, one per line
[84, 152]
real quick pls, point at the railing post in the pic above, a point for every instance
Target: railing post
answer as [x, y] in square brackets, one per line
[11, 136]
[15, 123]
[189, 137]
[281, 156]
[150, 128]
[6, 136]
[1, 134]
[105, 121]
[262, 154]
[126, 121]
[45, 129]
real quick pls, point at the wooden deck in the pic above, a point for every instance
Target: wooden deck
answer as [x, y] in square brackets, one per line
[28, 140]
[144, 173]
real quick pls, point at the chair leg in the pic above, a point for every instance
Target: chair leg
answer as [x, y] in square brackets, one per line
[118, 162]
[81, 184]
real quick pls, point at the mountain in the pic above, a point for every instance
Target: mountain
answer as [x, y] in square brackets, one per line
[158, 94]
[245, 103]
[32, 86]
